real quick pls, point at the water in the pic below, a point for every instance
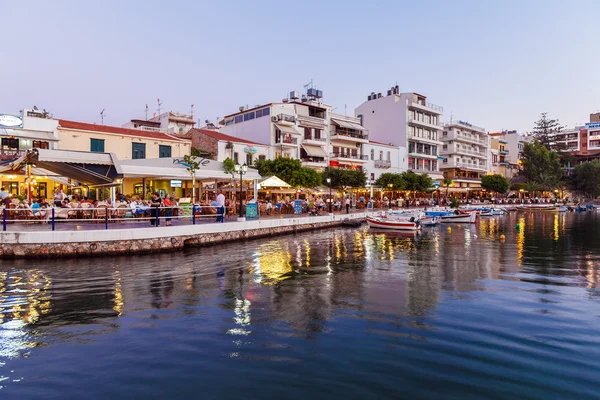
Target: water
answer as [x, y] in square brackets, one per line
[335, 314]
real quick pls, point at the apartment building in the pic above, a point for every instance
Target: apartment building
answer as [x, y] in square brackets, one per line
[465, 150]
[406, 120]
[383, 158]
[30, 129]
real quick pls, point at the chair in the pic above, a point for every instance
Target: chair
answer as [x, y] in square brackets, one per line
[86, 211]
[120, 212]
[101, 211]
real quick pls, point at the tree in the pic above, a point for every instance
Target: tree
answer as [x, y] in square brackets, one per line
[541, 167]
[545, 131]
[585, 179]
[386, 179]
[495, 183]
[424, 183]
[345, 177]
[229, 168]
[447, 182]
[192, 165]
[290, 170]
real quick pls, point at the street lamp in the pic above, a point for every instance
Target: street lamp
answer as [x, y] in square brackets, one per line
[391, 186]
[330, 198]
[241, 169]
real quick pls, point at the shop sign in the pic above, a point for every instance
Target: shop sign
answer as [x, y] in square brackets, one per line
[250, 150]
[592, 125]
[10, 121]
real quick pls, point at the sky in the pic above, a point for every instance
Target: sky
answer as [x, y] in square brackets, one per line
[496, 64]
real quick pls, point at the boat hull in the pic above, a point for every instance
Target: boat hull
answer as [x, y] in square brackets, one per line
[459, 218]
[393, 225]
[538, 209]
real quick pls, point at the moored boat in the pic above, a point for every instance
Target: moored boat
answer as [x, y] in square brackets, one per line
[399, 224]
[549, 208]
[468, 218]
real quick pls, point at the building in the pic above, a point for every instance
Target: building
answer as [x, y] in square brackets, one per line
[347, 138]
[505, 152]
[173, 123]
[383, 158]
[220, 146]
[123, 142]
[406, 120]
[466, 151]
[30, 129]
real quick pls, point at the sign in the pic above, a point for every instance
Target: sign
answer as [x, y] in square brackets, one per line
[251, 211]
[588, 125]
[175, 183]
[250, 150]
[595, 137]
[10, 121]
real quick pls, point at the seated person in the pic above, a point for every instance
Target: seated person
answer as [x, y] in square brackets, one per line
[36, 209]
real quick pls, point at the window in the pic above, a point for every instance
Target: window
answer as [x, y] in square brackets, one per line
[316, 112]
[164, 151]
[42, 190]
[235, 158]
[239, 118]
[372, 154]
[11, 187]
[381, 154]
[259, 113]
[266, 111]
[249, 116]
[37, 144]
[229, 122]
[12, 144]
[249, 159]
[372, 177]
[262, 157]
[138, 189]
[307, 133]
[97, 145]
[389, 156]
[138, 150]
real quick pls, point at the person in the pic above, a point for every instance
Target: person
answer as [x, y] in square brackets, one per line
[36, 209]
[155, 209]
[347, 205]
[57, 198]
[220, 207]
[269, 207]
[3, 193]
[168, 211]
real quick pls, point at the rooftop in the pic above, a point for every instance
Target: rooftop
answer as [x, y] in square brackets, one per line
[114, 130]
[221, 136]
[382, 144]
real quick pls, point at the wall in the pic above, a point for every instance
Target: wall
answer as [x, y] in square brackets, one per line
[72, 139]
[255, 130]
[398, 159]
[385, 118]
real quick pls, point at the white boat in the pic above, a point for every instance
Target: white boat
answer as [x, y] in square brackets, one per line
[429, 221]
[563, 209]
[486, 213]
[468, 218]
[398, 224]
[499, 211]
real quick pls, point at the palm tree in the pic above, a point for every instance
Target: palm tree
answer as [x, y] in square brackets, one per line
[447, 182]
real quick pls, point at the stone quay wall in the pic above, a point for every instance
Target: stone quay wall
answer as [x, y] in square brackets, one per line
[44, 244]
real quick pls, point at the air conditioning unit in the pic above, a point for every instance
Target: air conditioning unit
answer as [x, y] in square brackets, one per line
[358, 145]
[274, 118]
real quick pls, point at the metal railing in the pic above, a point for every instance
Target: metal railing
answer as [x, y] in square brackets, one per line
[356, 135]
[313, 160]
[315, 139]
[411, 118]
[468, 139]
[6, 154]
[286, 118]
[287, 140]
[351, 156]
[464, 165]
[383, 163]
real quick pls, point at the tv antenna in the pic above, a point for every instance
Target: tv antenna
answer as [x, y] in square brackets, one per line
[192, 111]
[159, 104]
[102, 115]
[309, 85]
[146, 112]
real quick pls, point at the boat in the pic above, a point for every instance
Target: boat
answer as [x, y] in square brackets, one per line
[398, 223]
[486, 213]
[467, 218]
[563, 209]
[429, 221]
[549, 208]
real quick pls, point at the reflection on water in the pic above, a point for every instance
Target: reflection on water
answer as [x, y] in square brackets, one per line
[358, 308]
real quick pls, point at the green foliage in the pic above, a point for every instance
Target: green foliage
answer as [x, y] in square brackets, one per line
[290, 170]
[544, 131]
[387, 179]
[229, 166]
[344, 177]
[541, 166]
[202, 153]
[495, 183]
[447, 182]
[424, 183]
[585, 179]
[454, 203]
[192, 164]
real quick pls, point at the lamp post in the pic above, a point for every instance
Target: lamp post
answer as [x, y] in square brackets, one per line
[330, 198]
[241, 169]
[391, 186]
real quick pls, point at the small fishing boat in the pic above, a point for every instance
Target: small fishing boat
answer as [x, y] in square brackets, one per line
[353, 222]
[398, 223]
[563, 209]
[429, 221]
[499, 211]
[549, 208]
[466, 218]
[486, 213]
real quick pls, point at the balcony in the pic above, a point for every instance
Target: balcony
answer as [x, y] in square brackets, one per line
[348, 135]
[454, 150]
[423, 170]
[426, 106]
[430, 155]
[466, 178]
[314, 162]
[465, 138]
[287, 140]
[346, 156]
[284, 119]
[504, 152]
[471, 166]
[314, 140]
[312, 120]
[383, 163]
[430, 125]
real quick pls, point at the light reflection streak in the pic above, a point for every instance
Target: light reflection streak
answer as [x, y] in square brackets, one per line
[556, 227]
[520, 241]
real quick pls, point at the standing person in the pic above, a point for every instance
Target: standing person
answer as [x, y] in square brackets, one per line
[168, 210]
[57, 198]
[347, 205]
[220, 207]
[155, 209]
[3, 194]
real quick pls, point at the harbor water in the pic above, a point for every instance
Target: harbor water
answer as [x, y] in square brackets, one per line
[340, 313]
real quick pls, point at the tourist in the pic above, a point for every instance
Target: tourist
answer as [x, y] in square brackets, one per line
[347, 205]
[155, 209]
[220, 204]
[3, 193]
[269, 207]
[57, 198]
[168, 210]
[36, 209]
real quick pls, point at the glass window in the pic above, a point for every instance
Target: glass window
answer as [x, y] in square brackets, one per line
[8, 143]
[372, 154]
[138, 150]
[138, 188]
[317, 133]
[266, 111]
[249, 159]
[259, 113]
[239, 118]
[307, 133]
[249, 116]
[381, 154]
[164, 151]
[37, 144]
[389, 156]
[262, 157]
[236, 158]
[97, 145]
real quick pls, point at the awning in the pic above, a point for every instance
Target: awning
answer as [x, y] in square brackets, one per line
[273, 181]
[70, 156]
[348, 125]
[27, 134]
[288, 129]
[314, 151]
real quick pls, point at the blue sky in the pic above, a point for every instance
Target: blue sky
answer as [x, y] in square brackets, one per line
[497, 64]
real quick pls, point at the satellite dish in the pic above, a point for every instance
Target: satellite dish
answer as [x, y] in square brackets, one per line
[206, 121]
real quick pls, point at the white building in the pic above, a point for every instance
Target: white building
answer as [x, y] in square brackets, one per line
[30, 129]
[383, 158]
[406, 120]
[170, 122]
[466, 153]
